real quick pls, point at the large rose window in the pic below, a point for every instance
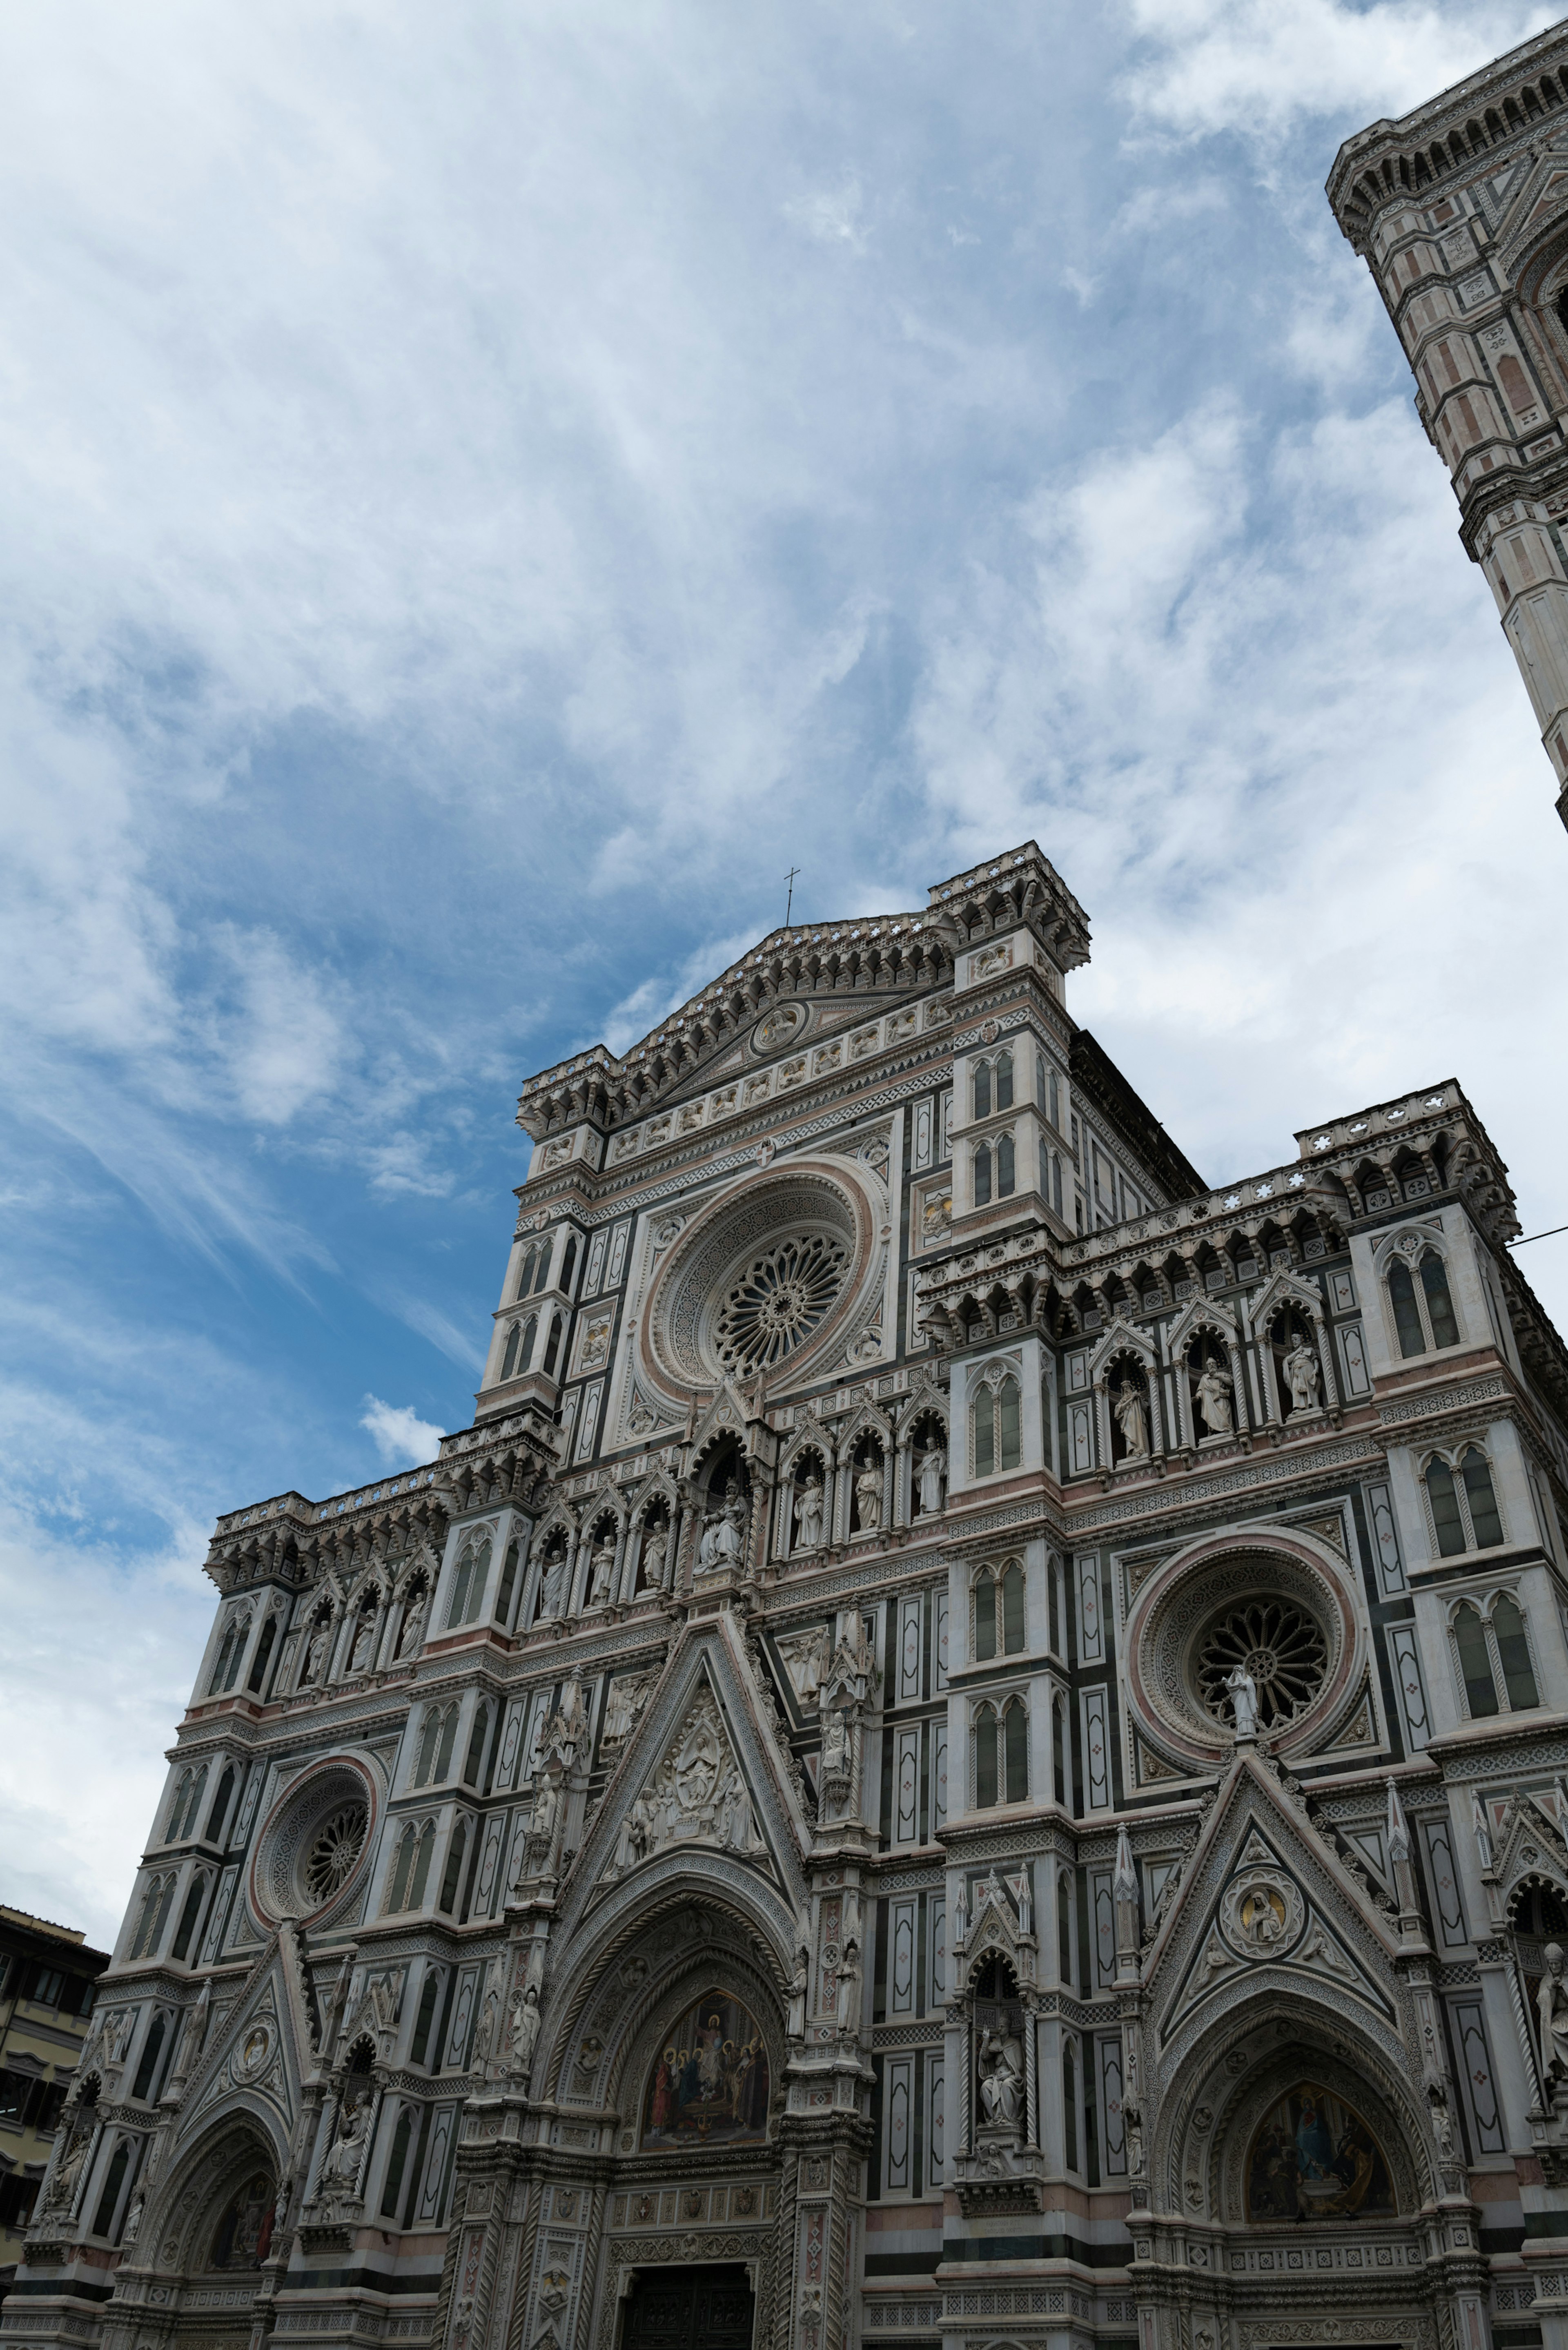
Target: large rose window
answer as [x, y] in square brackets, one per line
[787, 1268]
[779, 1300]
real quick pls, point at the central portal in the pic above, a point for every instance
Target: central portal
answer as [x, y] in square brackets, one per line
[690, 2309]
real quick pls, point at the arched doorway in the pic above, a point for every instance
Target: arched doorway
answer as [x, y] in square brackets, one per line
[690, 2309]
[208, 2238]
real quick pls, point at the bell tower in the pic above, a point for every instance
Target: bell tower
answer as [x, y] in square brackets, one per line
[1460, 211]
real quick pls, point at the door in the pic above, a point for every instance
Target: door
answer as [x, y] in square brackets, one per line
[689, 2308]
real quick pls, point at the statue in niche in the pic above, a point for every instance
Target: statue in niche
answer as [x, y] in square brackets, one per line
[847, 1995]
[1216, 1398]
[808, 1514]
[524, 2033]
[602, 1574]
[835, 1744]
[1302, 1376]
[1001, 2079]
[655, 1550]
[541, 1818]
[359, 1654]
[800, 1984]
[555, 1585]
[1243, 1691]
[1551, 2007]
[340, 2171]
[723, 1531]
[411, 1637]
[63, 2186]
[1127, 1403]
[314, 1654]
[868, 1497]
[932, 1473]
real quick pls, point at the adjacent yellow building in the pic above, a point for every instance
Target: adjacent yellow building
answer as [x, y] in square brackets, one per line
[48, 1980]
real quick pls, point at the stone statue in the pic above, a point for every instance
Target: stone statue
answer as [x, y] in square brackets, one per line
[1442, 2120]
[835, 1744]
[1243, 1691]
[340, 2171]
[868, 1497]
[808, 1514]
[1551, 2007]
[523, 2036]
[1132, 2121]
[1127, 1402]
[655, 1550]
[1302, 1376]
[410, 1639]
[847, 1995]
[933, 1478]
[1215, 1397]
[723, 1531]
[133, 2218]
[804, 1655]
[800, 1984]
[63, 2186]
[315, 1655]
[555, 1585]
[541, 1818]
[1001, 2079]
[603, 1575]
[364, 1642]
[622, 1706]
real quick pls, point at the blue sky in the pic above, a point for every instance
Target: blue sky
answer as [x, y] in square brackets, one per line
[485, 492]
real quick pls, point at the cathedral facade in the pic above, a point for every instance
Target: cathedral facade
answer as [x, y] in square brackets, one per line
[968, 1749]
[1460, 211]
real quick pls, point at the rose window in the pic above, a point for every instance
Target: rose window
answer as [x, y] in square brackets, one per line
[335, 1849]
[778, 1301]
[1281, 1647]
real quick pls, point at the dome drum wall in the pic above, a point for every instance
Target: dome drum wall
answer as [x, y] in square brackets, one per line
[1281, 1607]
[771, 1277]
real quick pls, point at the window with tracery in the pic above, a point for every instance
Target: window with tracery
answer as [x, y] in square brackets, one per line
[1000, 1737]
[1423, 1307]
[1491, 1649]
[999, 1614]
[996, 1425]
[1463, 1507]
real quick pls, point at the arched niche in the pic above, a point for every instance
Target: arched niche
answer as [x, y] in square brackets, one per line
[608, 2043]
[217, 2216]
[1249, 2083]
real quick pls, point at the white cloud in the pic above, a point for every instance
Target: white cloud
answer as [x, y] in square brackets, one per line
[398, 1433]
[832, 215]
[1252, 65]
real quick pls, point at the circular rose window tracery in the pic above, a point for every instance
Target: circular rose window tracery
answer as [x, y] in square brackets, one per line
[314, 1846]
[778, 1301]
[334, 1850]
[1282, 1648]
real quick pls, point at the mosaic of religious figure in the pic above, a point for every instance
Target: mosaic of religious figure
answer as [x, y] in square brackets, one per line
[244, 2232]
[1313, 2159]
[710, 2084]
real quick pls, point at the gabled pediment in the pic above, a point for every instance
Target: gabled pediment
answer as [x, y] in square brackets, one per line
[1265, 1898]
[259, 2046]
[1123, 1337]
[701, 1775]
[1529, 1841]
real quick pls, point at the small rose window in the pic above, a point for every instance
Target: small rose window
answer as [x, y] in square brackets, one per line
[1282, 1646]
